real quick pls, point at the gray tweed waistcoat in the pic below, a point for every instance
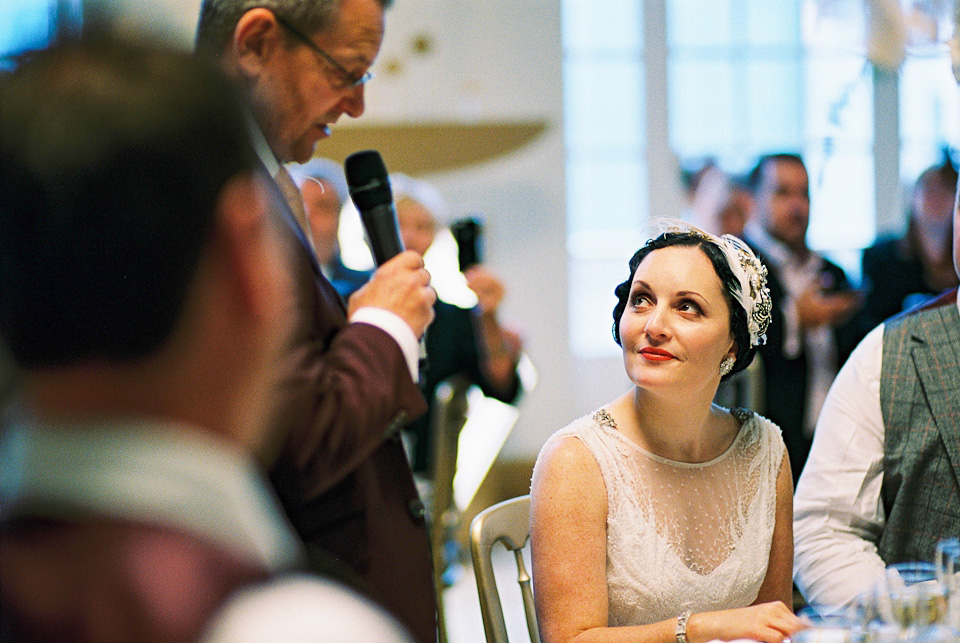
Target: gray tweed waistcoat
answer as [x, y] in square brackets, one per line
[920, 401]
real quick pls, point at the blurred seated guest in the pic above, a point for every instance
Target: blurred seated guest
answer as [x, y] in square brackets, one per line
[661, 516]
[716, 202]
[468, 342]
[810, 334]
[324, 190]
[881, 485]
[144, 294]
[734, 211]
[900, 272]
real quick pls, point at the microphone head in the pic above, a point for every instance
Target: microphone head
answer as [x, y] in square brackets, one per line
[368, 180]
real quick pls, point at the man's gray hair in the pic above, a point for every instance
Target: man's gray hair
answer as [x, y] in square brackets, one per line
[218, 18]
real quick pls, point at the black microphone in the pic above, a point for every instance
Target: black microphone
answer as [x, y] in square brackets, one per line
[369, 187]
[370, 190]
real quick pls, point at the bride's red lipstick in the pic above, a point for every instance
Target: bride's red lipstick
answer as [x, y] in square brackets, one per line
[656, 354]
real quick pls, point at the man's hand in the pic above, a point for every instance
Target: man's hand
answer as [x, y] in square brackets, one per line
[488, 288]
[402, 286]
[816, 308]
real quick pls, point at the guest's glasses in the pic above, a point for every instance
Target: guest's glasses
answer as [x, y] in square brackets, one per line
[349, 80]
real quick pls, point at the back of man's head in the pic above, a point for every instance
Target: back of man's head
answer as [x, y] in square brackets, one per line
[113, 157]
[218, 18]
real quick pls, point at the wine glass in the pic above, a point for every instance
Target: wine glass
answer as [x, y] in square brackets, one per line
[911, 598]
[947, 563]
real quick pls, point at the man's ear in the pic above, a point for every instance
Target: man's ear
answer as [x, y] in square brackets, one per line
[255, 39]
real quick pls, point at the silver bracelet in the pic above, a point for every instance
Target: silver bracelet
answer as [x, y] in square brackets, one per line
[682, 626]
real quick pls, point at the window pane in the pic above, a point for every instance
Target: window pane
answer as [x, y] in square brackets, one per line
[773, 104]
[609, 25]
[603, 100]
[695, 23]
[604, 195]
[839, 98]
[929, 113]
[841, 194]
[701, 100]
[772, 22]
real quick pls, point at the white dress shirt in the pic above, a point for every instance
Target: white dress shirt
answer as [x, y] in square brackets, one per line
[147, 471]
[838, 513]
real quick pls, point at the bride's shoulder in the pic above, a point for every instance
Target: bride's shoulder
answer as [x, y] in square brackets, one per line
[756, 427]
[567, 444]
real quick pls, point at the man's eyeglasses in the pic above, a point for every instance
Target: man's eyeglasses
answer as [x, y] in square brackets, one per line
[350, 80]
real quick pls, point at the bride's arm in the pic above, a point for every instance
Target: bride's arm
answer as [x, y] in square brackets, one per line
[568, 522]
[569, 547]
[778, 583]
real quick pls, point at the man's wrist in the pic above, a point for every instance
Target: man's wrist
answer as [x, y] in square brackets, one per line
[397, 328]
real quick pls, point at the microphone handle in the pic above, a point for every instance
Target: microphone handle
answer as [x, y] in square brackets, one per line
[380, 222]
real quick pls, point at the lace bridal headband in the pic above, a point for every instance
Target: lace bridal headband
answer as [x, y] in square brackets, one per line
[751, 274]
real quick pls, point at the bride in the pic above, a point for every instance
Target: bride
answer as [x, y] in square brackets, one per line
[662, 517]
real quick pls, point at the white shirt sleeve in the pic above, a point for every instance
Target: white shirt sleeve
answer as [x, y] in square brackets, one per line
[838, 514]
[302, 609]
[393, 325]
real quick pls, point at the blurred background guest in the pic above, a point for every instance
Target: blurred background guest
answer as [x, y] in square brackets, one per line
[469, 342]
[812, 302]
[144, 293]
[324, 189]
[903, 271]
[716, 201]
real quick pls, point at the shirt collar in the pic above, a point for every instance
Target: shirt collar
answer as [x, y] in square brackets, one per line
[145, 471]
[261, 147]
[777, 252]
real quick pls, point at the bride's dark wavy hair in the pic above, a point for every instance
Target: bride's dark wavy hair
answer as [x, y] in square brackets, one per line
[731, 286]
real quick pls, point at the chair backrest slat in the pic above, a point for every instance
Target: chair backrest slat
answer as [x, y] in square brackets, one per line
[507, 522]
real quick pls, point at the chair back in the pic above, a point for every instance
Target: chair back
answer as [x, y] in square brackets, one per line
[507, 522]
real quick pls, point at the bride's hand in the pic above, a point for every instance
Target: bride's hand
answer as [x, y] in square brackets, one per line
[768, 622]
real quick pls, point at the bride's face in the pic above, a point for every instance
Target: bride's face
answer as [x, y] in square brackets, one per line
[675, 329]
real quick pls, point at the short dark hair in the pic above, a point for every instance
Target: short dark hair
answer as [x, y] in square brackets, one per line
[755, 177]
[218, 18]
[731, 286]
[114, 155]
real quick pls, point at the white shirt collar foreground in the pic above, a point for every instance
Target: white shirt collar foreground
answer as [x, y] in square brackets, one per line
[149, 471]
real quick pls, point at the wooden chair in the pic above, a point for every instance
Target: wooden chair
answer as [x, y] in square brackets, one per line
[507, 522]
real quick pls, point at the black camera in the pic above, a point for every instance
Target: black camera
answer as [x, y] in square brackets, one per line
[468, 232]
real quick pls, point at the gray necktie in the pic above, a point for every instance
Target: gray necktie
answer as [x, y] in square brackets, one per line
[295, 200]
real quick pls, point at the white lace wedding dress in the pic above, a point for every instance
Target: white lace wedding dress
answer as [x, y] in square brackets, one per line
[684, 536]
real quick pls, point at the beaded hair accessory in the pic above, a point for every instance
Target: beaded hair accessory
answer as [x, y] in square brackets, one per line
[751, 274]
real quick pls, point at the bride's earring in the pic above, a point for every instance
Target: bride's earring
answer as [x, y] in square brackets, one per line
[726, 366]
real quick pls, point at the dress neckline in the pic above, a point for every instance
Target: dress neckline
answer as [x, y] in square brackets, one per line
[743, 416]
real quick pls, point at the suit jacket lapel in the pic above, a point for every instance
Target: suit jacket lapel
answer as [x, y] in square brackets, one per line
[282, 213]
[936, 354]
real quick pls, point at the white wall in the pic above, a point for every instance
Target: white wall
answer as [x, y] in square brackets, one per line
[489, 61]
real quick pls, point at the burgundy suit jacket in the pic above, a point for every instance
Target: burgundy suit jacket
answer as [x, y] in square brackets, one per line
[111, 581]
[342, 474]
